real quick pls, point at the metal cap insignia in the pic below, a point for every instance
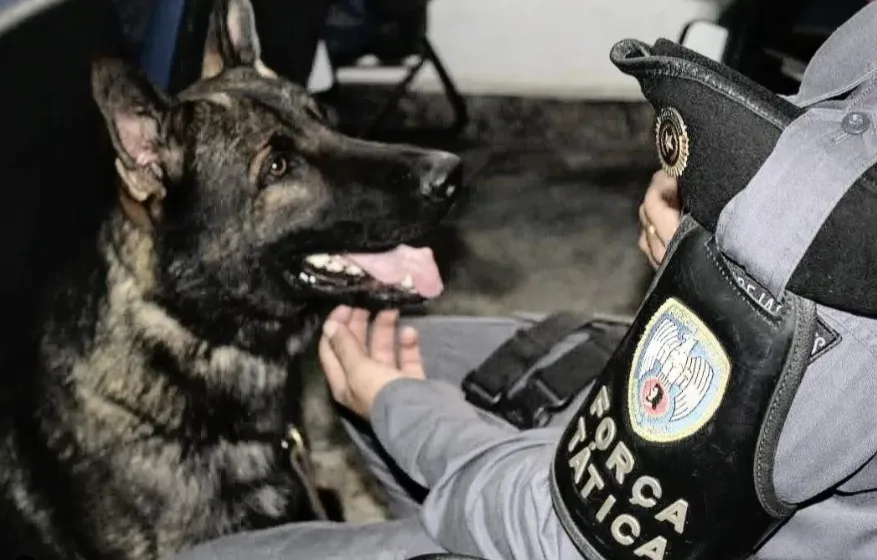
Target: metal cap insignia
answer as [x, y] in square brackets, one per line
[672, 142]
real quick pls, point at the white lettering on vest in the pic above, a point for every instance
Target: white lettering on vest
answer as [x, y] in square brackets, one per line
[819, 342]
[600, 406]
[579, 463]
[605, 508]
[594, 481]
[675, 514]
[580, 436]
[653, 550]
[625, 538]
[605, 433]
[621, 461]
[639, 498]
[646, 492]
[761, 296]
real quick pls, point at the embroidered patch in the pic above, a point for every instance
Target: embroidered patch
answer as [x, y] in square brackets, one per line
[678, 376]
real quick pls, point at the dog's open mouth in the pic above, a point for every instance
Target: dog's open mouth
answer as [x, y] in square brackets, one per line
[402, 273]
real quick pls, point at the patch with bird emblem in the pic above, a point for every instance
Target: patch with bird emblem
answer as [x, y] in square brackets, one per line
[678, 376]
[672, 141]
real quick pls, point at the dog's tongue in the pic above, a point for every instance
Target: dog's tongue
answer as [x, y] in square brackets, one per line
[393, 266]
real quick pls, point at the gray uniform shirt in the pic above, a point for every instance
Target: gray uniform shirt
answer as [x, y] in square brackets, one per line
[489, 483]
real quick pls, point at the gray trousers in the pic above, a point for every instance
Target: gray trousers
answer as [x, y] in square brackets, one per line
[451, 347]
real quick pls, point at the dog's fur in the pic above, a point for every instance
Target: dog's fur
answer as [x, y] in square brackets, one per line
[165, 371]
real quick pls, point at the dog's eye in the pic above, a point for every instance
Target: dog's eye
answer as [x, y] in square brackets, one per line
[277, 161]
[276, 166]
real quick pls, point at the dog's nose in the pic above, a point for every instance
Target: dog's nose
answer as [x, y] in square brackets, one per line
[441, 176]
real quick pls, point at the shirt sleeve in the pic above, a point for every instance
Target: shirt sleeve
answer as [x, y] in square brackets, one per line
[488, 482]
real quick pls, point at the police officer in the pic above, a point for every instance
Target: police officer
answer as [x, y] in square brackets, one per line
[731, 418]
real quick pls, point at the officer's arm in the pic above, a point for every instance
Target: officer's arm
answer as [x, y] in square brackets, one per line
[489, 483]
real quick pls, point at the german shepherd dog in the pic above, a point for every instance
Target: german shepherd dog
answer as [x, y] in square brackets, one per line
[166, 377]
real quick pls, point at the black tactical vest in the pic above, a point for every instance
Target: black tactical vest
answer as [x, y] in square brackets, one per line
[671, 455]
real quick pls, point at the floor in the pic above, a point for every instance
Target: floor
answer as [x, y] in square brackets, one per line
[551, 223]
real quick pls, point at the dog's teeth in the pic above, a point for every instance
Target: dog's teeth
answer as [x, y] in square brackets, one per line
[450, 190]
[319, 260]
[407, 282]
[353, 269]
[303, 276]
[334, 265]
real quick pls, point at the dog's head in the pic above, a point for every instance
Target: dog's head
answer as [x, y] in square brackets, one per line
[252, 198]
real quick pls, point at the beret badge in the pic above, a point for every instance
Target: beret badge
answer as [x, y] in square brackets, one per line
[672, 141]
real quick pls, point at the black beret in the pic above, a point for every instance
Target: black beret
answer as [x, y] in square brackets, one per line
[714, 129]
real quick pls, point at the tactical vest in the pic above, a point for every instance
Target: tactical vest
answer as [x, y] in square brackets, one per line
[671, 456]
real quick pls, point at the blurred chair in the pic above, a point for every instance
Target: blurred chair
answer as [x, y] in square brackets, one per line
[173, 48]
[397, 37]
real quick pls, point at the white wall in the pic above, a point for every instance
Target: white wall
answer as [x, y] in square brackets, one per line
[554, 48]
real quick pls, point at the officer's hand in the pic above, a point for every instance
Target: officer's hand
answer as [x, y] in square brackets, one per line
[659, 215]
[357, 369]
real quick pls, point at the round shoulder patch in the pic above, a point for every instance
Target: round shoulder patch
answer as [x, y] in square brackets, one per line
[672, 141]
[678, 376]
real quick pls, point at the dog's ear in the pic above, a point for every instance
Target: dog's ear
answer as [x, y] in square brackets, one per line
[232, 39]
[136, 116]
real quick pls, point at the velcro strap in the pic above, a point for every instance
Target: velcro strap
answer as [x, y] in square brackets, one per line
[550, 389]
[488, 384]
